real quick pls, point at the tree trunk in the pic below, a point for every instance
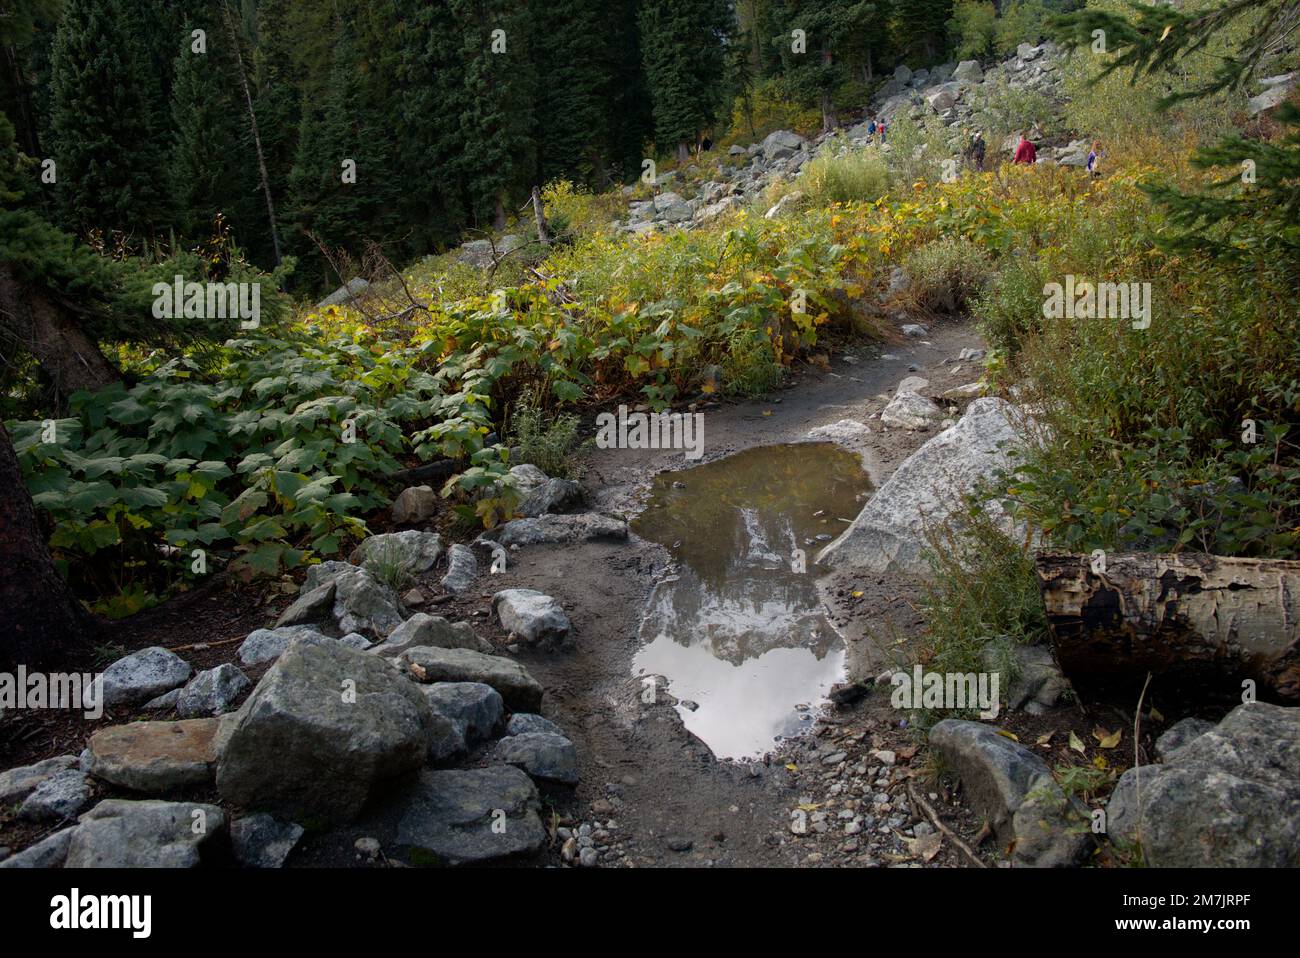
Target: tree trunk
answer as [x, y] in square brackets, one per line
[1201, 622]
[39, 617]
[53, 336]
[543, 234]
[829, 120]
[683, 152]
[257, 139]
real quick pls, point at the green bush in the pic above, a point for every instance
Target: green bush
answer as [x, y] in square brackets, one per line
[1010, 307]
[550, 442]
[855, 176]
[750, 368]
[947, 274]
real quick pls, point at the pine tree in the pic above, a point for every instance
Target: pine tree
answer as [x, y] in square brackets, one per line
[207, 168]
[821, 62]
[921, 28]
[107, 127]
[682, 45]
[630, 122]
[427, 133]
[571, 103]
[499, 105]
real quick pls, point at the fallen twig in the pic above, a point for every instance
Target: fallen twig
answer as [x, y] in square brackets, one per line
[930, 813]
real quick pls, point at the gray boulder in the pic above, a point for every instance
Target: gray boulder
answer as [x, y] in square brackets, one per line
[1040, 684]
[531, 615]
[519, 690]
[322, 714]
[888, 534]
[781, 144]
[414, 504]
[473, 707]
[212, 692]
[907, 410]
[145, 834]
[462, 569]
[543, 755]
[17, 783]
[527, 477]
[522, 722]
[968, 71]
[49, 852]
[481, 254]
[1014, 790]
[464, 817]
[431, 630]
[411, 549]
[554, 495]
[143, 675]
[57, 798]
[263, 841]
[310, 608]
[345, 293]
[364, 604]
[1230, 798]
[266, 645]
[583, 527]
[1276, 90]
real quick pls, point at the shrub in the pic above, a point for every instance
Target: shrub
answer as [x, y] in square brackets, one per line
[947, 274]
[1010, 307]
[548, 441]
[852, 177]
[984, 586]
[750, 368]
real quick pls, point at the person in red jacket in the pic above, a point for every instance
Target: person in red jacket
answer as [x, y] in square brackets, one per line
[1025, 152]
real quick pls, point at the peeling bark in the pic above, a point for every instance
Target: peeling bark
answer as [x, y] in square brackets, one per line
[1188, 618]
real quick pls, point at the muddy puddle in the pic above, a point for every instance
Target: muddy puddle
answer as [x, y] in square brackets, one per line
[737, 628]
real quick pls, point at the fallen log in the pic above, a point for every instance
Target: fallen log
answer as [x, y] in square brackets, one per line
[1193, 620]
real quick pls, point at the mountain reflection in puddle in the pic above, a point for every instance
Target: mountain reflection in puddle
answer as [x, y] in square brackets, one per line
[736, 631]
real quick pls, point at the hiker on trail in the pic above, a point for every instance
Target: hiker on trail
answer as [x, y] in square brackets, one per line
[1025, 152]
[871, 129]
[881, 128]
[975, 152]
[1094, 157]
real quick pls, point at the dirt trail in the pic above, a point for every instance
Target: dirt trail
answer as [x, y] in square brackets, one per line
[673, 802]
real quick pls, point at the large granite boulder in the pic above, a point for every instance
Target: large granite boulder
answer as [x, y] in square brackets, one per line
[520, 691]
[1228, 798]
[145, 834]
[143, 675]
[458, 817]
[888, 534]
[323, 728]
[155, 757]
